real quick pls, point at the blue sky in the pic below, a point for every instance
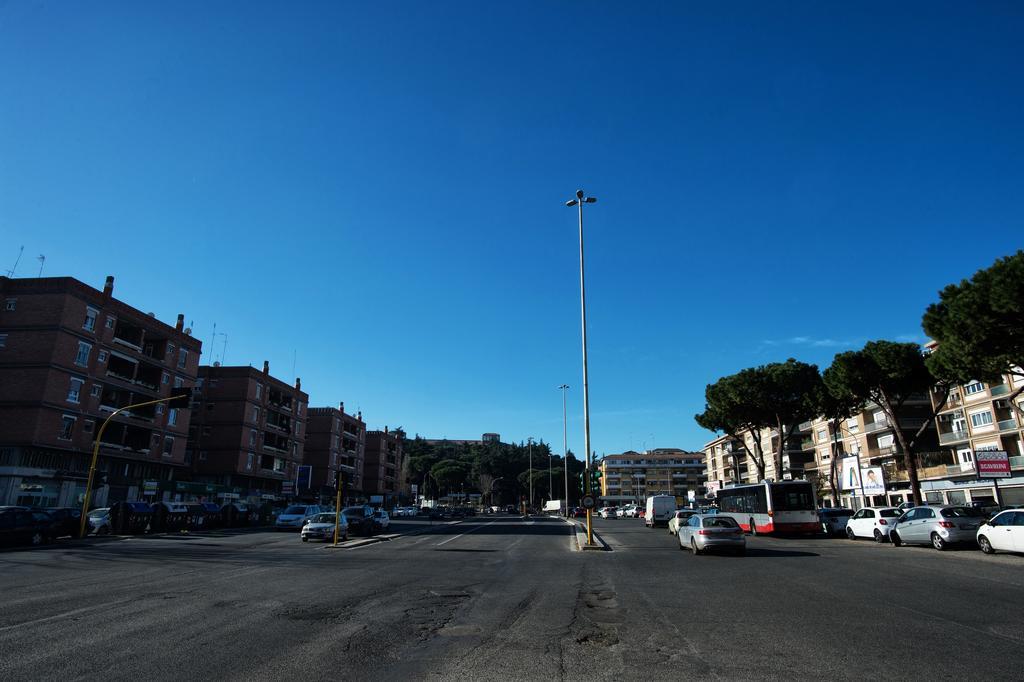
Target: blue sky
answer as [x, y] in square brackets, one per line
[377, 189]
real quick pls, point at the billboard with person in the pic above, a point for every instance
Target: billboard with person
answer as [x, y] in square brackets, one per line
[872, 481]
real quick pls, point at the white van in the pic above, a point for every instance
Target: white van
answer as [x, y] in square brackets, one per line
[660, 509]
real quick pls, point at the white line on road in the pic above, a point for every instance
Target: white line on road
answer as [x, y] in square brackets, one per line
[445, 542]
[73, 612]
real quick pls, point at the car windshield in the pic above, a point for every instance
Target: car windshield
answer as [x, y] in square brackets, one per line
[295, 509]
[354, 511]
[720, 522]
[322, 518]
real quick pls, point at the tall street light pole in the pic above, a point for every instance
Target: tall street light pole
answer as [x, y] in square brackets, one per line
[579, 201]
[565, 450]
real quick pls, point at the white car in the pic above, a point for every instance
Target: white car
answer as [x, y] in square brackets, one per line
[381, 520]
[1003, 532]
[872, 522]
[296, 516]
[680, 518]
[607, 512]
[321, 527]
[632, 511]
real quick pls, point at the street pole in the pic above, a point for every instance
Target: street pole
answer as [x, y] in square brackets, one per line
[579, 201]
[339, 481]
[530, 442]
[565, 451]
[176, 394]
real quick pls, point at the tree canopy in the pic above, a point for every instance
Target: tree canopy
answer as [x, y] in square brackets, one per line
[777, 396]
[885, 373]
[979, 325]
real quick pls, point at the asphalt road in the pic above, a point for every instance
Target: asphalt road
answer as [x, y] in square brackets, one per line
[502, 598]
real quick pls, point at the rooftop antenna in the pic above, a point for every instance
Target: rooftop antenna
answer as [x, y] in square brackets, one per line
[10, 273]
[224, 348]
[42, 260]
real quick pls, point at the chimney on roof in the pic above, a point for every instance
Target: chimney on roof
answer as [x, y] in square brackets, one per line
[342, 406]
[385, 428]
[359, 415]
[266, 367]
[180, 324]
[108, 287]
[298, 384]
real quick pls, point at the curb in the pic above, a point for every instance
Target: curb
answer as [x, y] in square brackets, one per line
[581, 538]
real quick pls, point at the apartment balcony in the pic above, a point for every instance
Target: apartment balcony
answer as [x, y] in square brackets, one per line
[1008, 425]
[999, 389]
[953, 437]
[871, 427]
[129, 335]
[807, 443]
[805, 426]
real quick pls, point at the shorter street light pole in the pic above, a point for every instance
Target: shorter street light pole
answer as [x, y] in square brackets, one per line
[530, 442]
[339, 483]
[180, 393]
[565, 450]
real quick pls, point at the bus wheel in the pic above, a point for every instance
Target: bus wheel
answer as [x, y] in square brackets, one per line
[753, 527]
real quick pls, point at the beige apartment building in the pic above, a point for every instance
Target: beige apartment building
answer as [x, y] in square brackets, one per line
[728, 462]
[633, 476]
[976, 417]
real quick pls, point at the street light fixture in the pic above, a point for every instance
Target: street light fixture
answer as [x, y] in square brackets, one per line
[579, 201]
[565, 449]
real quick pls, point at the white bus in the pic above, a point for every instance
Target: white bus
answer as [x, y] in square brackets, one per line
[771, 507]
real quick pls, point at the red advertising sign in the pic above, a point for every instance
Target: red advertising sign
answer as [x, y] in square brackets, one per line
[992, 464]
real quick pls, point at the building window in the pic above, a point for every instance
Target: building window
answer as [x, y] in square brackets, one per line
[981, 419]
[75, 389]
[3, 340]
[88, 425]
[172, 417]
[67, 425]
[259, 390]
[822, 435]
[168, 444]
[252, 438]
[90, 319]
[170, 351]
[10, 304]
[256, 414]
[249, 461]
[182, 358]
[110, 322]
[885, 441]
[298, 428]
[974, 387]
[202, 455]
[95, 390]
[300, 409]
[160, 408]
[103, 356]
[178, 382]
[165, 378]
[82, 359]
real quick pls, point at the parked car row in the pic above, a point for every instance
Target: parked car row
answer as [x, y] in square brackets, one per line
[940, 526]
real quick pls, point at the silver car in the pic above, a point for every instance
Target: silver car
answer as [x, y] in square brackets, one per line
[704, 532]
[939, 526]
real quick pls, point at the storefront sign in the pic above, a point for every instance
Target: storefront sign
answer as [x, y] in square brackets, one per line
[712, 488]
[992, 464]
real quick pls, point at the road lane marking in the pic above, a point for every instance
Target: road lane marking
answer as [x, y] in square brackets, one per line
[74, 612]
[445, 542]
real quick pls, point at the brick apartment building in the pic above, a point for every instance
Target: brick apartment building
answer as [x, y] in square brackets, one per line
[336, 441]
[70, 355]
[247, 433]
[382, 468]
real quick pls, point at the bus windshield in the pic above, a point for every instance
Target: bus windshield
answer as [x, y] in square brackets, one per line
[792, 498]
